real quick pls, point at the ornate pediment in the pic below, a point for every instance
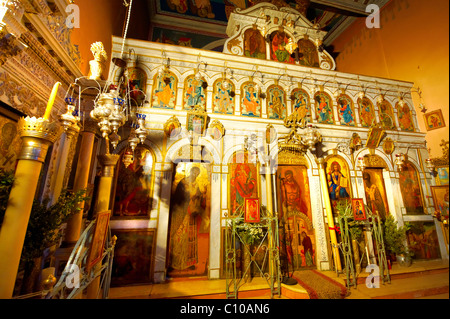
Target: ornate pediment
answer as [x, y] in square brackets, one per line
[266, 31]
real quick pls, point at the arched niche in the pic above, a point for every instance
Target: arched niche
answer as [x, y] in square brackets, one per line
[405, 118]
[164, 93]
[324, 108]
[134, 183]
[366, 112]
[307, 53]
[411, 189]
[254, 43]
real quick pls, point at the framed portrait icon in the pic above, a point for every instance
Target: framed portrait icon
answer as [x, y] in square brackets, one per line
[359, 212]
[252, 214]
[434, 120]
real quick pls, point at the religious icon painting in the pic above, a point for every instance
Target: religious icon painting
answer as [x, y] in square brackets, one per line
[359, 212]
[301, 104]
[293, 189]
[338, 178]
[346, 111]
[375, 191]
[388, 146]
[411, 190]
[434, 120]
[297, 238]
[271, 134]
[386, 115]
[133, 256]
[164, 90]
[194, 92]
[278, 51]
[98, 239]
[217, 130]
[188, 248]
[172, 127]
[423, 240]
[276, 102]
[308, 55]
[137, 84]
[252, 213]
[324, 108]
[442, 176]
[10, 144]
[243, 182]
[196, 120]
[404, 117]
[223, 97]
[440, 196]
[251, 102]
[374, 137]
[134, 186]
[366, 112]
[254, 44]
[181, 6]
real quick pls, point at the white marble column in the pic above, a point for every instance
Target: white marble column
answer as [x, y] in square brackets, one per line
[164, 179]
[322, 260]
[214, 230]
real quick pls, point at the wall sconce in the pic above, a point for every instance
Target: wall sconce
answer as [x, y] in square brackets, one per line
[400, 160]
[361, 163]
[431, 167]
[311, 137]
[422, 106]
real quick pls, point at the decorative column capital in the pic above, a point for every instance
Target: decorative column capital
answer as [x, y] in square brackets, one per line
[108, 163]
[37, 135]
[91, 126]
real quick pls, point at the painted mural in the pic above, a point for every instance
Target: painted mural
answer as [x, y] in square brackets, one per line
[301, 104]
[10, 144]
[346, 111]
[134, 185]
[338, 178]
[386, 113]
[189, 220]
[133, 255]
[276, 102]
[254, 44]
[278, 51]
[297, 239]
[223, 97]
[137, 84]
[194, 92]
[185, 39]
[243, 181]
[375, 191]
[202, 8]
[366, 112]
[423, 241]
[164, 90]
[404, 117]
[251, 102]
[308, 55]
[324, 108]
[411, 190]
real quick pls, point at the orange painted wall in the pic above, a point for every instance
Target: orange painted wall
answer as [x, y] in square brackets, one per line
[412, 44]
[99, 20]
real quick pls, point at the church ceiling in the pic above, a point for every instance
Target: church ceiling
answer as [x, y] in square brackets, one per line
[212, 15]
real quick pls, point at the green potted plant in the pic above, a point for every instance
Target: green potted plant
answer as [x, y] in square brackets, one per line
[6, 182]
[43, 232]
[395, 241]
[249, 234]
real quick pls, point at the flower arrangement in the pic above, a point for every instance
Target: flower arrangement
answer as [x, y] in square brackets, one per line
[250, 233]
